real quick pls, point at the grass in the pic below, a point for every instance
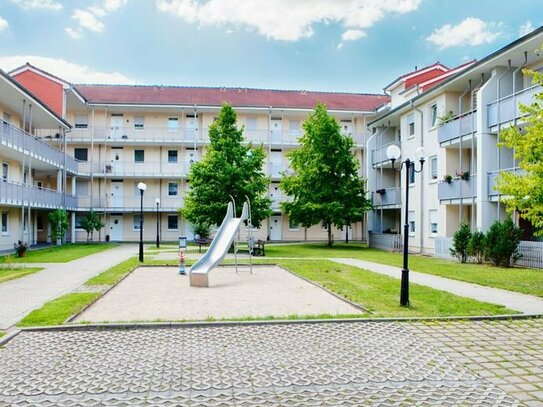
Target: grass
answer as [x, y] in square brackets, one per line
[57, 311]
[112, 275]
[11, 273]
[59, 254]
[522, 280]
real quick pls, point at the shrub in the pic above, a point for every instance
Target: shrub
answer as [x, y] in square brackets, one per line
[476, 246]
[502, 241]
[59, 224]
[202, 230]
[91, 223]
[460, 243]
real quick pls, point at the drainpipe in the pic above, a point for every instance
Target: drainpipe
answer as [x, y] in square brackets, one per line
[473, 131]
[468, 89]
[498, 150]
[23, 162]
[515, 72]
[421, 194]
[92, 164]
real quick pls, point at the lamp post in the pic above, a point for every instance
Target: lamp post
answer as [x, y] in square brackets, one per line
[394, 153]
[157, 201]
[142, 187]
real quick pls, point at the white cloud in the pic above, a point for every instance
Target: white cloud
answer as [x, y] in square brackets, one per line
[69, 71]
[471, 31]
[285, 20]
[90, 18]
[38, 4]
[3, 24]
[73, 33]
[526, 29]
[352, 35]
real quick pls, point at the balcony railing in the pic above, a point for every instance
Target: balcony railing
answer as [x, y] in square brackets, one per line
[458, 189]
[457, 127]
[129, 203]
[507, 108]
[387, 197]
[133, 169]
[493, 175]
[12, 193]
[15, 138]
[379, 155]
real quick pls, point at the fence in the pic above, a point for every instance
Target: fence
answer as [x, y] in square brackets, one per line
[386, 241]
[532, 252]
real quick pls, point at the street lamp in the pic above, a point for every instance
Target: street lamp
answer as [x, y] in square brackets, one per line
[142, 187]
[394, 153]
[157, 201]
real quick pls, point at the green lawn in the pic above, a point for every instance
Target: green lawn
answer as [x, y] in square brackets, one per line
[11, 273]
[114, 274]
[57, 311]
[58, 254]
[522, 280]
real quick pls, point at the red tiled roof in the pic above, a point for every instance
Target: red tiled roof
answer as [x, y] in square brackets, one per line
[238, 97]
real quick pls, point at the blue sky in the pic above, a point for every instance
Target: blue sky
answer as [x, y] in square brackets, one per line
[332, 45]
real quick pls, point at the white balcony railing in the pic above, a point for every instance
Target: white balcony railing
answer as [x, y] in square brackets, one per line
[493, 175]
[17, 139]
[460, 126]
[507, 108]
[12, 193]
[129, 203]
[387, 197]
[458, 189]
[386, 241]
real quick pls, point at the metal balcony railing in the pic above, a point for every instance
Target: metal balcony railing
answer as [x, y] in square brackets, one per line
[493, 175]
[507, 108]
[12, 193]
[379, 154]
[458, 189]
[129, 203]
[133, 169]
[387, 197]
[461, 125]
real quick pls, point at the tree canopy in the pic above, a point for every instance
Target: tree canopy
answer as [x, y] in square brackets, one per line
[230, 167]
[523, 192]
[325, 186]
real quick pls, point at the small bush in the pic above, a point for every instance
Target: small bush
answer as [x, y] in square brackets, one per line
[461, 239]
[502, 241]
[476, 246]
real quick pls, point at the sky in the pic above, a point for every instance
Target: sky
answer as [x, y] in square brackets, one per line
[329, 45]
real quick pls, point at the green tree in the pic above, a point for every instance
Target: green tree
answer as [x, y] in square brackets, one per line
[523, 192]
[325, 186]
[230, 168]
[476, 246]
[90, 224]
[502, 241]
[461, 240]
[59, 224]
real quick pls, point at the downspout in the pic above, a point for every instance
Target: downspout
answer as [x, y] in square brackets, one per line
[92, 165]
[29, 177]
[461, 197]
[515, 72]
[421, 194]
[473, 131]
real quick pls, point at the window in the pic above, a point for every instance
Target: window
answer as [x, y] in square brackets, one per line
[136, 225]
[433, 221]
[294, 128]
[347, 127]
[5, 219]
[5, 172]
[172, 156]
[139, 122]
[173, 188]
[139, 156]
[82, 188]
[412, 175]
[411, 124]
[81, 121]
[173, 123]
[250, 124]
[81, 154]
[293, 225]
[79, 217]
[433, 115]
[411, 222]
[39, 223]
[173, 222]
[433, 168]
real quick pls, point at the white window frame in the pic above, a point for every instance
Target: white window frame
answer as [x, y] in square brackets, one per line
[168, 222]
[176, 156]
[78, 218]
[136, 225]
[432, 160]
[432, 115]
[412, 223]
[296, 229]
[411, 121]
[139, 162]
[81, 148]
[171, 120]
[5, 176]
[176, 190]
[432, 216]
[4, 224]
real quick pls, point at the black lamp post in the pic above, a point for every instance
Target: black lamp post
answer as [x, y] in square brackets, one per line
[157, 201]
[142, 187]
[394, 153]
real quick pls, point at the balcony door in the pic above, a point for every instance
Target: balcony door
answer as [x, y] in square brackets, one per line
[276, 125]
[276, 163]
[116, 228]
[191, 156]
[116, 127]
[116, 166]
[191, 127]
[275, 195]
[116, 194]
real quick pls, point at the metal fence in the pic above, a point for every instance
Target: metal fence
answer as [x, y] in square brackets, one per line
[386, 241]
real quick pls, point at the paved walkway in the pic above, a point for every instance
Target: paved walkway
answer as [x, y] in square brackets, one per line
[20, 296]
[524, 303]
[490, 363]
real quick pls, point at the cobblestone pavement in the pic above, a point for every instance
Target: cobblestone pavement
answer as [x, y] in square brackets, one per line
[349, 363]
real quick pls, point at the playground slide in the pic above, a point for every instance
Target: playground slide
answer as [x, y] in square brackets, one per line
[199, 272]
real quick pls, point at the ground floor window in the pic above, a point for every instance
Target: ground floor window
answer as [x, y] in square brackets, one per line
[293, 225]
[433, 222]
[173, 222]
[411, 222]
[136, 224]
[78, 219]
[4, 226]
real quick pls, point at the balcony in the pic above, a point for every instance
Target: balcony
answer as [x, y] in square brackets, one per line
[458, 189]
[276, 201]
[159, 169]
[493, 175]
[390, 197]
[16, 194]
[460, 126]
[14, 138]
[507, 109]
[129, 203]
[379, 155]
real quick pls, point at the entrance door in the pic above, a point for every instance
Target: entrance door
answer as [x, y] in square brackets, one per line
[116, 166]
[275, 227]
[191, 127]
[276, 131]
[116, 228]
[276, 163]
[116, 200]
[116, 132]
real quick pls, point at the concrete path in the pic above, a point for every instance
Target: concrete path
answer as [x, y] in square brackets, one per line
[20, 296]
[524, 303]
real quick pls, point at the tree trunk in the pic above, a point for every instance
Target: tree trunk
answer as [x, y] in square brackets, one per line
[329, 234]
[346, 233]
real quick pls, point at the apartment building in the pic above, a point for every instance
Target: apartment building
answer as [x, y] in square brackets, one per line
[34, 172]
[456, 116]
[124, 135]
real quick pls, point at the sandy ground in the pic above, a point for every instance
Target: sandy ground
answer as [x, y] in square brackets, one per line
[159, 293]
